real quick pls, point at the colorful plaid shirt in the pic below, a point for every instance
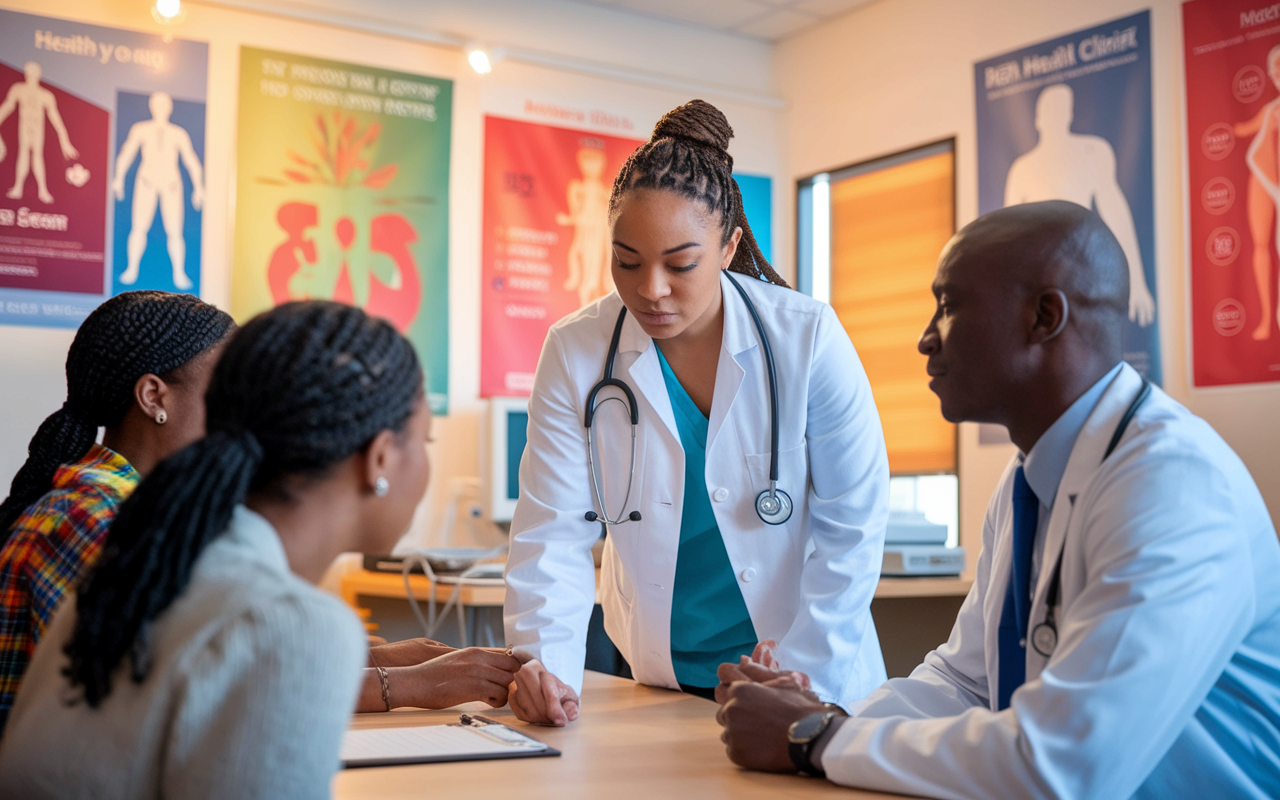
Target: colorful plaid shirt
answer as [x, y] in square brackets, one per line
[52, 545]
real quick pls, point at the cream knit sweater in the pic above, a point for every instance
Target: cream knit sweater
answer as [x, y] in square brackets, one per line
[253, 682]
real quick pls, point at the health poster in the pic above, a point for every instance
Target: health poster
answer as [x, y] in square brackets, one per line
[546, 249]
[757, 204]
[101, 166]
[342, 193]
[1233, 169]
[1070, 119]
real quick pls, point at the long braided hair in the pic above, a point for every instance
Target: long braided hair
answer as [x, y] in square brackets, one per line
[131, 335]
[688, 154]
[297, 390]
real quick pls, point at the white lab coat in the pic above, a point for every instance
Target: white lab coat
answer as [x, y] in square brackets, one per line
[807, 583]
[1166, 678]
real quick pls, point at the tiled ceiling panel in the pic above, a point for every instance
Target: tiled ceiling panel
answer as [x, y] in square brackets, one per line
[762, 19]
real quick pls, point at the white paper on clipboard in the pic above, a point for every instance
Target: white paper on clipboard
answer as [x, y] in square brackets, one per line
[427, 743]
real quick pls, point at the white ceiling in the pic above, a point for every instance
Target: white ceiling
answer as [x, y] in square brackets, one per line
[761, 19]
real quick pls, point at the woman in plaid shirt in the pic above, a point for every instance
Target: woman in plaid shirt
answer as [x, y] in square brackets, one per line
[138, 367]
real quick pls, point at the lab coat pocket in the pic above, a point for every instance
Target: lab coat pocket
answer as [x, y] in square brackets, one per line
[792, 475]
[793, 471]
[614, 576]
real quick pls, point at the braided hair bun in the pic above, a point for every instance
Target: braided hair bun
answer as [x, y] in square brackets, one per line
[298, 389]
[131, 335]
[688, 154]
[696, 121]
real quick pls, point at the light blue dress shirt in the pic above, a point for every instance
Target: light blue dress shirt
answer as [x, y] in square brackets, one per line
[1047, 461]
[710, 623]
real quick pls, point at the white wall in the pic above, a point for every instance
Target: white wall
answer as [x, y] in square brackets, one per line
[31, 380]
[899, 72]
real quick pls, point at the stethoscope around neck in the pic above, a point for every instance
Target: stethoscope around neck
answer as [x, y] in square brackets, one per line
[773, 505]
[1044, 637]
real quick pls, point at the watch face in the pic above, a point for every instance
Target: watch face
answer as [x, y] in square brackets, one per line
[808, 728]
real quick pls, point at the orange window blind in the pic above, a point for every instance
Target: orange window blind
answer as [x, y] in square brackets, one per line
[887, 227]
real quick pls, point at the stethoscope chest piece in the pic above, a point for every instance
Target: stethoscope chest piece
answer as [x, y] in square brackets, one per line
[774, 506]
[1044, 638]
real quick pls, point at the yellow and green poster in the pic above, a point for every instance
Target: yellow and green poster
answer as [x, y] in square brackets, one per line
[342, 190]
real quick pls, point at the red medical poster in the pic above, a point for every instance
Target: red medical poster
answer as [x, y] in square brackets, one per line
[546, 249]
[1233, 146]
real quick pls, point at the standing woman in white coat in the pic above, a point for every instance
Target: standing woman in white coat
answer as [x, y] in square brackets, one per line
[730, 522]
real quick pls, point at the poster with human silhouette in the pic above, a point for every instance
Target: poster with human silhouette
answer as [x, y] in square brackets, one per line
[75, 214]
[1233, 170]
[342, 193]
[1070, 119]
[546, 249]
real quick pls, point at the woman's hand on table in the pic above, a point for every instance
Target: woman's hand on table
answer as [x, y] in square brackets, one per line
[461, 676]
[458, 676]
[756, 719]
[541, 698]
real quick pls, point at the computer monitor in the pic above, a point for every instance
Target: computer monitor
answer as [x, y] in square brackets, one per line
[504, 435]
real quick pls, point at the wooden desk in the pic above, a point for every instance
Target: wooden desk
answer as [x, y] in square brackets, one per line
[631, 741]
[923, 587]
[389, 584]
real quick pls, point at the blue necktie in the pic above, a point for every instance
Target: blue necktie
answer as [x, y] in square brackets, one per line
[1017, 599]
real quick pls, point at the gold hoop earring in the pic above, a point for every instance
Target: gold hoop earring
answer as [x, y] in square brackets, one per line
[161, 417]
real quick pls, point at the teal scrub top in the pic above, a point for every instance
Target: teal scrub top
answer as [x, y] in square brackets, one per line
[709, 620]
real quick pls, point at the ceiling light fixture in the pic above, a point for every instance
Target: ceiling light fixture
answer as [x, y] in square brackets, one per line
[480, 61]
[483, 58]
[168, 11]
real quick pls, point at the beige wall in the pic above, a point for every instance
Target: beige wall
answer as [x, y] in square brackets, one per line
[31, 379]
[890, 75]
[900, 72]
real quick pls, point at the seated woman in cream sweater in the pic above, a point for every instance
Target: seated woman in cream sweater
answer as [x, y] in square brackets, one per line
[199, 660]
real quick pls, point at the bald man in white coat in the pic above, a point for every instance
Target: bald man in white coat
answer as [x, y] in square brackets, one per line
[1153, 669]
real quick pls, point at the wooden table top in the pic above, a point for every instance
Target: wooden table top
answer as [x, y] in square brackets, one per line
[630, 741]
[388, 584]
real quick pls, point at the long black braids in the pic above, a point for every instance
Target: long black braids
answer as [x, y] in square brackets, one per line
[688, 154]
[298, 389]
[131, 335]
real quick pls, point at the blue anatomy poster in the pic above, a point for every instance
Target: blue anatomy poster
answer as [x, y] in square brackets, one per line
[101, 166]
[1070, 119]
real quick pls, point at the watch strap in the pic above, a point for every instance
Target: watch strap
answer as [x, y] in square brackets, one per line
[801, 751]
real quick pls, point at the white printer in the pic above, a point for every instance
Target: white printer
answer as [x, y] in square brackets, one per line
[915, 546]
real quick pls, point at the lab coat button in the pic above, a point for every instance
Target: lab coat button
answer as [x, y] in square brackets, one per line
[720, 495]
[748, 574]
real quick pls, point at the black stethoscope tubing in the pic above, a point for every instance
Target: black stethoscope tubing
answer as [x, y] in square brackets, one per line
[1044, 637]
[772, 505]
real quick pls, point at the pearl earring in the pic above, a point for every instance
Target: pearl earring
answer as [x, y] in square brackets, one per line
[161, 417]
[381, 486]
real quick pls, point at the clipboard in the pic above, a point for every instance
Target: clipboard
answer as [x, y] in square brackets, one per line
[472, 738]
